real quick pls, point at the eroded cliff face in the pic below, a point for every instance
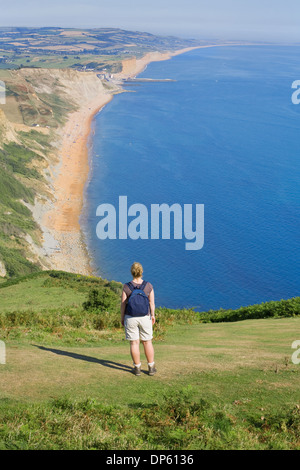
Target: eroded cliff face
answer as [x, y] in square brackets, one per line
[7, 130]
[39, 103]
[77, 86]
[129, 66]
[43, 97]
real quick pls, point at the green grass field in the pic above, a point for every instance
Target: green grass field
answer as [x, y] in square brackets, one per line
[68, 383]
[63, 48]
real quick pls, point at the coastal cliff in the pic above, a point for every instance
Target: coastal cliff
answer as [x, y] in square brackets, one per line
[46, 121]
[47, 118]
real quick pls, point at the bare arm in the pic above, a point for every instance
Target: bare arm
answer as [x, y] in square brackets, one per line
[123, 306]
[152, 306]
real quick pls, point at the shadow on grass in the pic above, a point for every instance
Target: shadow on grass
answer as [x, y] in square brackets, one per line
[81, 357]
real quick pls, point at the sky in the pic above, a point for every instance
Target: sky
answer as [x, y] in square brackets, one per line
[269, 20]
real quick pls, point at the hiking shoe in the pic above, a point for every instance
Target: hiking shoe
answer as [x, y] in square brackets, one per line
[137, 370]
[152, 370]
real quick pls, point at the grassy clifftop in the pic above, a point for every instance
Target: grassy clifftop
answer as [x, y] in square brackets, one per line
[67, 383]
[56, 306]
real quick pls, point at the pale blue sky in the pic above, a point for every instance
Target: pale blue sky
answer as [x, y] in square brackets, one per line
[275, 20]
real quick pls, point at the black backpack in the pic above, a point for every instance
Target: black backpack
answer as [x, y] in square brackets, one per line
[138, 302]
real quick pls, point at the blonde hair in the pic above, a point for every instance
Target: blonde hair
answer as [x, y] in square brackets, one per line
[136, 270]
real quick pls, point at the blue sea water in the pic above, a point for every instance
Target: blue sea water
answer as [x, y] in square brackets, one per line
[224, 134]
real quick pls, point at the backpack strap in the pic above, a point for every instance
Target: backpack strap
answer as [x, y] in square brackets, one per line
[132, 287]
[142, 287]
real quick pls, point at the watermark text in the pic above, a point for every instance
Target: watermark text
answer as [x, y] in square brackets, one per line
[296, 94]
[296, 354]
[2, 93]
[136, 222]
[2, 352]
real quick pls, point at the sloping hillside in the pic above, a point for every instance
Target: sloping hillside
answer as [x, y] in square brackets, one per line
[38, 103]
[56, 305]
[226, 385]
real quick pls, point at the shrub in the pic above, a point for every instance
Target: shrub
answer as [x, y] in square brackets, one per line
[280, 308]
[103, 300]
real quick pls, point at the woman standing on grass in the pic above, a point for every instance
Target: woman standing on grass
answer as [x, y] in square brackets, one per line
[138, 317]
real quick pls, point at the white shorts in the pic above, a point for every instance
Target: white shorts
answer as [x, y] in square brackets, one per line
[138, 328]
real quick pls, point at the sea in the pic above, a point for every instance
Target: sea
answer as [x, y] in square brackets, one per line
[220, 130]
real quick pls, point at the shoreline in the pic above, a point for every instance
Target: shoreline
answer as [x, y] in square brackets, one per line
[139, 65]
[64, 244]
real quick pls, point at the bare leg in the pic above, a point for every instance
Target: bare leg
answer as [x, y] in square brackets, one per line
[149, 351]
[135, 351]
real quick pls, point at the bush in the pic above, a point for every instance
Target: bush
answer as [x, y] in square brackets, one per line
[280, 308]
[103, 300]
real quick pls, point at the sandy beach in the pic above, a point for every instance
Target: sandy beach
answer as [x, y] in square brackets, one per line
[63, 244]
[63, 219]
[133, 67]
